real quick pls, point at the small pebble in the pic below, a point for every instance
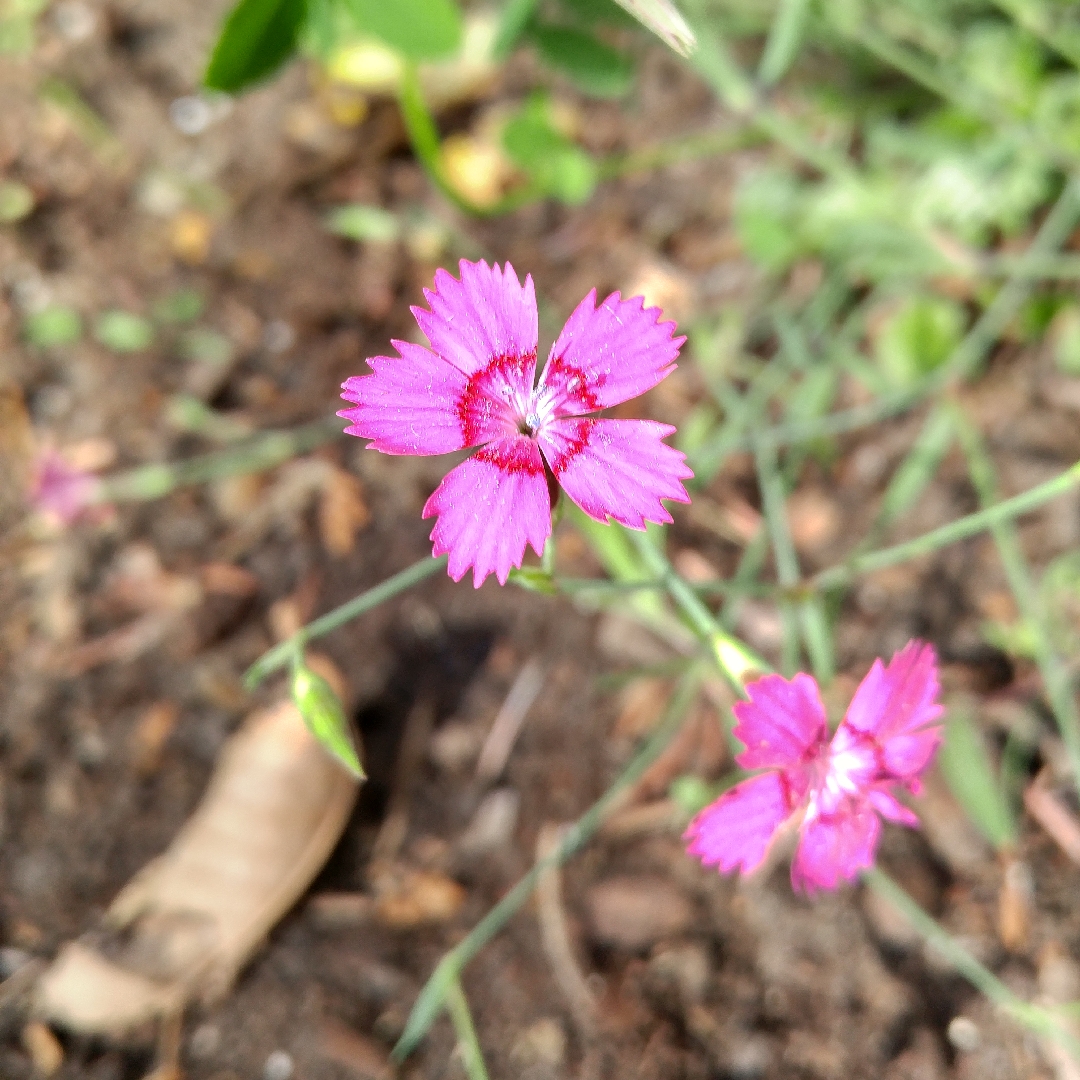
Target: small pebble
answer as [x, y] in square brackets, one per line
[74, 20]
[964, 1034]
[279, 1066]
[635, 912]
[278, 336]
[205, 1040]
[190, 115]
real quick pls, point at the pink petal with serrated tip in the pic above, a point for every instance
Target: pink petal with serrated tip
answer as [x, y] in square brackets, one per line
[897, 706]
[608, 354]
[410, 405]
[782, 725]
[616, 468]
[835, 848]
[489, 508]
[485, 315]
[735, 831]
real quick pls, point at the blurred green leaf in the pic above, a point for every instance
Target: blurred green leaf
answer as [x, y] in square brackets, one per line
[324, 716]
[533, 578]
[593, 12]
[53, 326]
[358, 221]
[918, 337]
[965, 764]
[182, 306]
[784, 41]
[555, 165]
[691, 794]
[257, 38]
[418, 29]
[766, 207]
[1066, 334]
[123, 332]
[515, 17]
[592, 66]
[16, 201]
[206, 346]
[662, 17]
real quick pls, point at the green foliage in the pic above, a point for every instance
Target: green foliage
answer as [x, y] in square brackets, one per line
[182, 306]
[16, 201]
[587, 62]
[556, 166]
[53, 326]
[1067, 340]
[966, 766]
[918, 338]
[205, 346]
[257, 38]
[324, 716]
[418, 29]
[123, 332]
[358, 221]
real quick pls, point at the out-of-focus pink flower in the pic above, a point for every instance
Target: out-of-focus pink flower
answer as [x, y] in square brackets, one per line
[841, 788]
[475, 387]
[59, 490]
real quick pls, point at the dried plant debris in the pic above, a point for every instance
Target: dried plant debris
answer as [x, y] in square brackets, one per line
[186, 924]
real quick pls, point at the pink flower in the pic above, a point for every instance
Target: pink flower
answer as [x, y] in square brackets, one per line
[59, 490]
[841, 788]
[475, 387]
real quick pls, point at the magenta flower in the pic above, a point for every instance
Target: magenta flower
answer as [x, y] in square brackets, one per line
[476, 386]
[841, 789]
[59, 490]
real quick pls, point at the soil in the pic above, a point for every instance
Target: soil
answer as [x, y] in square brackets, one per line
[693, 975]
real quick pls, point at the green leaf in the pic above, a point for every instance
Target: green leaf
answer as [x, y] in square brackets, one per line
[123, 332]
[965, 764]
[664, 20]
[182, 306]
[555, 165]
[358, 221]
[324, 716]
[418, 29]
[16, 201]
[592, 66]
[515, 17]
[257, 38]
[53, 326]
[785, 37]
[919, 337]
[533, 578]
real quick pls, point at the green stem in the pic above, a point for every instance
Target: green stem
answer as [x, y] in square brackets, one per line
[457, 1005]
[736, 661]
[576, 836]
[262, 452]
[960, 529]
[282, 654]
[1052, 667]
[984, 980]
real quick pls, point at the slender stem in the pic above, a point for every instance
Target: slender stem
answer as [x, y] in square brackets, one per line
[262, 452]
[1052, 667]
[736, 661]
[947, 534]
[282, 654]
[454, 962]
[984, 980]
[457, 1005]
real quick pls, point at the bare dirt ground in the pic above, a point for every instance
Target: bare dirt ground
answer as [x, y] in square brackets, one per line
[103, 754]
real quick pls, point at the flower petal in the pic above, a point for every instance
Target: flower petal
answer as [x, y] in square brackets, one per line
[490, 507]
[616, 468]
[735, 831]
[608, 354]
[835, 848]
[410, 405]
[898, 706]
[782, 725]
[891, 809]
[485, 315]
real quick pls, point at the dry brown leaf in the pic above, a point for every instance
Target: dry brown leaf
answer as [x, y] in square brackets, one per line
[150, 736]
[342, 512]
[190, 919]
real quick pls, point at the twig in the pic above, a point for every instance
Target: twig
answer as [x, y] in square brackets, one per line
[508, 722]
[1052, 814]
[556, 937]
